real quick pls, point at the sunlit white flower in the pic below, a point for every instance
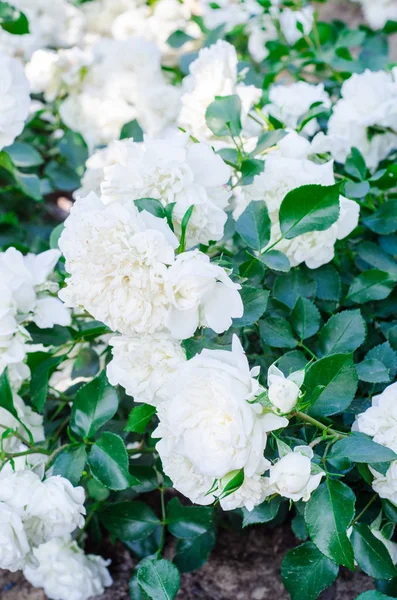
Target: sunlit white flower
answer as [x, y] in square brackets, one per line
[251, 493]
[284, 391]
[173, 170]
[386, 485]
[14, 99]
[142, 364]
[292, 476]
[282, 175]
[380, 419]
[117, 259]
[14, 546]
[293, 22]
[213, 73]
[289, 103]
[66, 573]
[212, 431]
[48, 508]
[202, 295]
[377, 14]
[368, 100]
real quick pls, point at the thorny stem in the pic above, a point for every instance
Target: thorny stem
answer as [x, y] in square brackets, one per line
[339, 435]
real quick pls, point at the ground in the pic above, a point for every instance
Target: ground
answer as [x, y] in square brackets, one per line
[242, 567]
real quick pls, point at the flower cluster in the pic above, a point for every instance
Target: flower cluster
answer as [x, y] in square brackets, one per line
[28, 295]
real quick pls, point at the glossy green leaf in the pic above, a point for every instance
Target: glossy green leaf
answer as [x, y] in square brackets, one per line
[328, 515]
[384, 219]
[159, 579]
[193, 553]
[108, 461]
[70, 464]
[188, 521]
[275, 260]
[223, 116]
[370, 285]
[306, 568]
[263, 513]
[277, 332]
[344, 332]
[254, 225]
[94, 404]
[373, 371]
[140, 417]
[129, 521]
[309, 208]
[255, 303]
[371, 555]
[305, 318]
[331, 384]
[358, 447]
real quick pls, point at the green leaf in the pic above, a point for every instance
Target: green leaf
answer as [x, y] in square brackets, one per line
[129, 521]
[86, 363]
[313, 113]
[62, 176]
[263, 513]
[70, 464]
[331, 384]
[184, 224]
[249, 168]
[277, 332]
[383, 220]
[377, 258]
[360, 448]
[223, 116]
[151, 205]
[94, 404]
[309, 208]
[371, 555]
[108, 461]
[6, 400]
[370, 285]
[344, 332]
[373, 595]
[159, 579]
[178, 39]
[275, 260]
[305, 318]
[328, 515]
[40, 377]
[132, 130]
[55, 235]
[328, 283]
[12, 20]
[24, 155]
[305, 568]
[193, 553]
[289, 287]
[139, 418]
[188, 521]
[372, 370]
[355, 165]
[268, 139]
[254, 225]
[28, 184]
[255, 303]
[74, 148]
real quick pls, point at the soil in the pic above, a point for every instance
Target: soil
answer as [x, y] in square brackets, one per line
[241, 567]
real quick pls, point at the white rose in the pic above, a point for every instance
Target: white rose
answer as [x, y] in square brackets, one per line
[377, 14]
[284, 391]
[32, 420]
[14, 99]
[173, 170]
[251, 493]
[48, 508]
[213, 430]
[386, 485]
[117, 259]
[142, 364]
[380, 420]
[66, 573]
[290, 102]
[202, 295]
[14, 546]
[289, 20]
[291, 476]
[213, 73]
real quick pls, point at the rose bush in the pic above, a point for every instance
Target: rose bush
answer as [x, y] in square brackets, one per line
[198, 259]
